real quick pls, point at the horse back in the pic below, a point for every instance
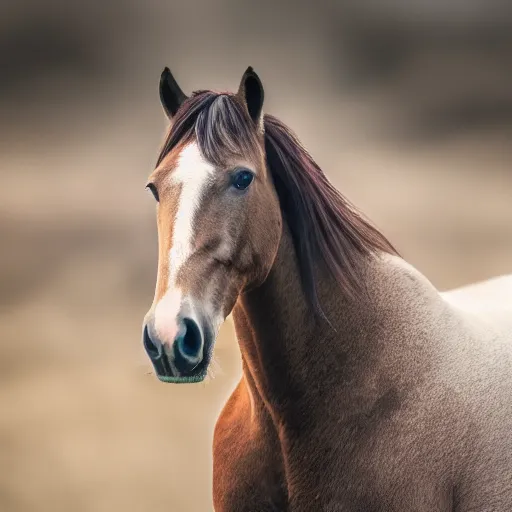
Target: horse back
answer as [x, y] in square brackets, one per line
[489, 301]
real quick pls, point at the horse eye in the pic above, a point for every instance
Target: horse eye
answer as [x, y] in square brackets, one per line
[242, 179]
[154, 191]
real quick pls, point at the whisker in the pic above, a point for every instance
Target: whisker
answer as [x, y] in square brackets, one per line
[213, 370]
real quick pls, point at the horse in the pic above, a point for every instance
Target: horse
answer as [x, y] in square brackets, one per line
[364, 388]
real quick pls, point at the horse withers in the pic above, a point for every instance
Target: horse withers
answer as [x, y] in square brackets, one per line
[364, 388]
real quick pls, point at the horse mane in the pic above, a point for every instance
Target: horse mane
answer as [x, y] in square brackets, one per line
[325, 227]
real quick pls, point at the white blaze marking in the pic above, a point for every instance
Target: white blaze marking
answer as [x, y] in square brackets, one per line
[194, 174]
[166, 312]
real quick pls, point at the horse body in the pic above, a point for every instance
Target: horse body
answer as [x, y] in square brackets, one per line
[364, 388]
[413, 413]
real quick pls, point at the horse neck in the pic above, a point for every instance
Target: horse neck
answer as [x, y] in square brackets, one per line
[294, 362]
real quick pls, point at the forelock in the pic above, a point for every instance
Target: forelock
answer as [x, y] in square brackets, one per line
[220, 125]
[224, 131]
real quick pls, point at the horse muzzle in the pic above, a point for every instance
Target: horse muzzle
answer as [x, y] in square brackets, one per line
[185, 355]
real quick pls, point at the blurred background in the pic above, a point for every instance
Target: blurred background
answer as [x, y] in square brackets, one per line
[407, 105]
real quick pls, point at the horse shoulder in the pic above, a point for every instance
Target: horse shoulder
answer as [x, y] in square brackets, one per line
[247, 469]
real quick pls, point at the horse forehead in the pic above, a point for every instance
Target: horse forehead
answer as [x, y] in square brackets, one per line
[192, 169]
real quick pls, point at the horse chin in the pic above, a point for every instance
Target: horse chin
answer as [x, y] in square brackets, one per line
[182, 379]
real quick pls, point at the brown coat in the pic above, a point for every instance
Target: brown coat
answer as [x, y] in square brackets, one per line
[364, 388]
[405, 406]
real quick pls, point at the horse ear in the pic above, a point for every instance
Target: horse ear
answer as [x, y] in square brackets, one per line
[171, 95]
[252, 94]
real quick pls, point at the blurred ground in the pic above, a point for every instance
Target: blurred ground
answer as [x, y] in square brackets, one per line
[413, 125]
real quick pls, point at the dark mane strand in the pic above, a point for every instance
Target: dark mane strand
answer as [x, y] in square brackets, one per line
[325, 226]
[326, 229]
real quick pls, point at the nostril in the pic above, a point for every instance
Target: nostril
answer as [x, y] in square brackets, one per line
[189, 343]
[152, 348]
